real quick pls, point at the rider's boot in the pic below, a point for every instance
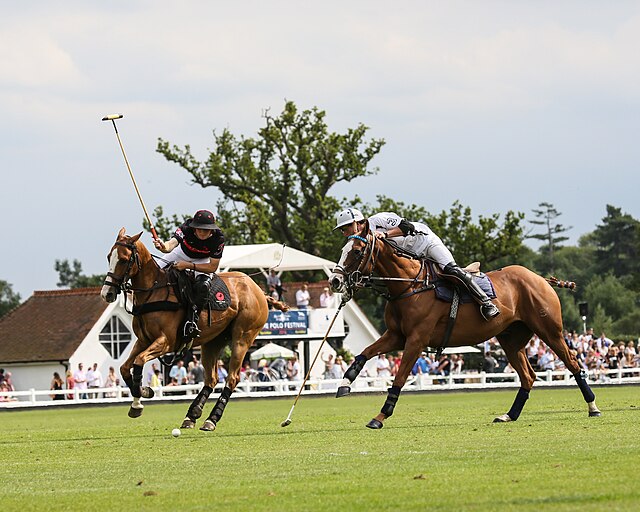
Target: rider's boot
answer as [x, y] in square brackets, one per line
[201, 290]
[487, 308]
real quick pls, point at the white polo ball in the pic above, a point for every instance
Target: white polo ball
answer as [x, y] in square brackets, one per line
[176, 432]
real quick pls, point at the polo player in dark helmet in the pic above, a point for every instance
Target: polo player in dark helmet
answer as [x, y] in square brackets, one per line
[196, 245]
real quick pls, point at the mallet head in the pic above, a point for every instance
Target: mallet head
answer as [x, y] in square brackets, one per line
[285, 423]
[112, 117]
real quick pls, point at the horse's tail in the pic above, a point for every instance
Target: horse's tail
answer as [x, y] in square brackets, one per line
[277, 304]
[554, 281]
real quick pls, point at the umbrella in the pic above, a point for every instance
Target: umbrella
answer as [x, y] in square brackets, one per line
[271, 351]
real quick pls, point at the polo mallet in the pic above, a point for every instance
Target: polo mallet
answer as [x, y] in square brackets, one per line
[288, 420]
[112, 118]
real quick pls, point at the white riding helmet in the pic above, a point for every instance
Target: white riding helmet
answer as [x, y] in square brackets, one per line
[347, 217]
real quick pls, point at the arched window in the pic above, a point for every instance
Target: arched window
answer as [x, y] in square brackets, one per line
[115, 336]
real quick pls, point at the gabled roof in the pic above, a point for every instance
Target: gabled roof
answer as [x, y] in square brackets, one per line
[264, 256]
[50, 325]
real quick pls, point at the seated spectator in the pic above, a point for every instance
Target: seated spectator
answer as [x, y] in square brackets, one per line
[421, 366]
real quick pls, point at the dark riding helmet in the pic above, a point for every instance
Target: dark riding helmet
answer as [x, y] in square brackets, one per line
[203, 219]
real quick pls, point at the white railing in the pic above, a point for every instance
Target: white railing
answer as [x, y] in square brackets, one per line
[460, 381]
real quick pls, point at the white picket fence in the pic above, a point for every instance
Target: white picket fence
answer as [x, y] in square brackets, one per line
[283, 388]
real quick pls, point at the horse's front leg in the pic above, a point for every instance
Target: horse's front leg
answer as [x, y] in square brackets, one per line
[388, 342]
[238, 351]
[412, 351]
[131, 372]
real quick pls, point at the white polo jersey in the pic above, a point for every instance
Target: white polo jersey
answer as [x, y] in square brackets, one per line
[425, 243]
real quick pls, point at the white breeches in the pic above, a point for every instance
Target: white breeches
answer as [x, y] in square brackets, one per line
[178, 255]
[426, 244]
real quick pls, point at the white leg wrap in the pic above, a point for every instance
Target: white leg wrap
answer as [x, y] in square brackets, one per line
[593, 407]
[346, 382]
[505, 418]
[137, 404]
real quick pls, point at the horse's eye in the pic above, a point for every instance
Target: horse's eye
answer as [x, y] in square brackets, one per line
[358, 253]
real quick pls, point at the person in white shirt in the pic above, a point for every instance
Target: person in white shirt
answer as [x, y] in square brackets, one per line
[80, 380]
[383, 366]
[303, 297]
[418, 239]
[94, 379]
[327, 299]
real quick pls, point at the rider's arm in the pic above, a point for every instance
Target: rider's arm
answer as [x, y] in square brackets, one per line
[207, 268]
[166, 246]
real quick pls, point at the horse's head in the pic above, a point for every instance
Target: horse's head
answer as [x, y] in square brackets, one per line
[124, 263]
[356, 263]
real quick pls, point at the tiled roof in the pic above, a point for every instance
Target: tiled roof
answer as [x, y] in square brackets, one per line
[50, 325]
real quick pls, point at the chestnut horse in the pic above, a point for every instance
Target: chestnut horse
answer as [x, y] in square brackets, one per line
[415, 319]
[132, 268]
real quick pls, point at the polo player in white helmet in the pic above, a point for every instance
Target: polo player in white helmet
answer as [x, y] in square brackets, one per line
[416, 238]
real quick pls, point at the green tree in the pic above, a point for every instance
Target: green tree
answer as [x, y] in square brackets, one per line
[552, 232]
[617, 243]
[70, 275]
[607, 294]
[276, 186]
[8, 298]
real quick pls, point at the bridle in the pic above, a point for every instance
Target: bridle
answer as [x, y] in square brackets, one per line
[122, 283]
[366, 258]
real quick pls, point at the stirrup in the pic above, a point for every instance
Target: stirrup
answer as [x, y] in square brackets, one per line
[489, 311]
[191, 329]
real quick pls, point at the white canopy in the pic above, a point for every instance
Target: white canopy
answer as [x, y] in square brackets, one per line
[461, 350]
[271, 351]
[265, 256]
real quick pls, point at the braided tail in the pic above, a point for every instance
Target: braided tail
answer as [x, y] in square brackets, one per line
[554, 281]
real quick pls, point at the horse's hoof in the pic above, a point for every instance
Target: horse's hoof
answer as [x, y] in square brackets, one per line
[135, 413]
[375, 424]
[208, 426]
[147, 392]
[505, 418]
[343, 391]
[187, 423]
[594, 414]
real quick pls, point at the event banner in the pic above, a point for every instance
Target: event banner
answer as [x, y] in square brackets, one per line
[281, 323]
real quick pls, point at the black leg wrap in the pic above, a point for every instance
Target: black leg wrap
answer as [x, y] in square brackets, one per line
[518, 404]
[195, 409]
[356, 367]
[589, 396]
[136, 381]
[216, 414]
[390, 403]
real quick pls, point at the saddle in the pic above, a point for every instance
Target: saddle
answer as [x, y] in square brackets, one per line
[219, 297]
[444, 284]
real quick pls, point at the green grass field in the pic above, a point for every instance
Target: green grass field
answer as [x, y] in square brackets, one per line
[438, 451]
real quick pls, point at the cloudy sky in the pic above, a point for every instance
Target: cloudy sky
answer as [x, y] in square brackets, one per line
[498, 104]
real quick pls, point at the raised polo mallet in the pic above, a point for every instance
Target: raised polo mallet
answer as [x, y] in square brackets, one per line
[112, 118]
[288, 420]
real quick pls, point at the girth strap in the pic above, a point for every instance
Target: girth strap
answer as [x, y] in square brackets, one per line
[151, 307]
[453, 313]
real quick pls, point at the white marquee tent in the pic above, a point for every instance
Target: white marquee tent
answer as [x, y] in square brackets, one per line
[281, 258]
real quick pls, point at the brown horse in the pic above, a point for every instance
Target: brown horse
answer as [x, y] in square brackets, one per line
[415, 319]
[132, 268]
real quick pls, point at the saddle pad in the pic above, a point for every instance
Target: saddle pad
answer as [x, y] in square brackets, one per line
[444, 289]
[219, 296]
